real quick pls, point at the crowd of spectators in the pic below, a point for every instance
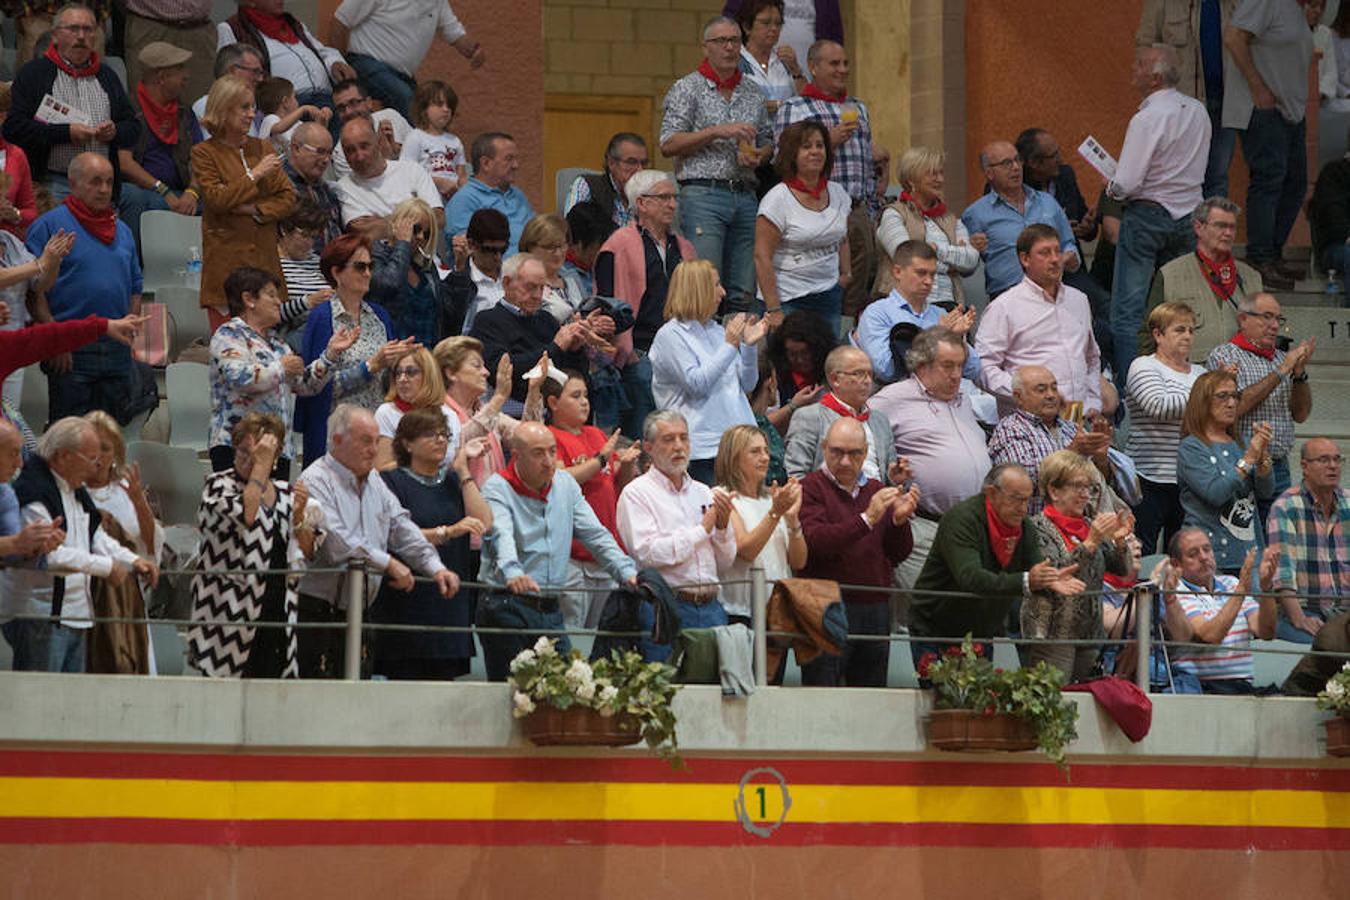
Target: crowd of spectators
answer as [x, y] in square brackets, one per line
[762, 360]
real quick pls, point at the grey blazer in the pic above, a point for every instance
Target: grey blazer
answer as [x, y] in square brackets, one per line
[807, 430]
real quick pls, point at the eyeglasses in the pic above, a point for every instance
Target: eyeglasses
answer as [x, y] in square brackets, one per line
[1222, 226]
[1268, 317]
[1228, 396]
[725, 42]
[317, 151]
[349, 104]
[407, 372]
[1019, 499]
[1007, 165]
[856, 374]
[1326, 460]
[361, 267]
[633, 162]
[434, 435]
[838, 453]
[661, 198]
[252, 70]
[769, 23]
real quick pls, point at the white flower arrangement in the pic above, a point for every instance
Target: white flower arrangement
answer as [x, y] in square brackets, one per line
[1335, 697]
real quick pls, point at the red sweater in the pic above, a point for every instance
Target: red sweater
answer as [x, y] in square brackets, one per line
[20, 192]
[841, 546]
[38, 342]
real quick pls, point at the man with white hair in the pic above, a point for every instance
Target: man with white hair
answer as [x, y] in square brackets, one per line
[634, 265]
[364, 520]
[16, 538]
[1161, 170]
[51, 491]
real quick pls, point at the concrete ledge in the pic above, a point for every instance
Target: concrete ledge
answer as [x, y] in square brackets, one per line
[271, 716]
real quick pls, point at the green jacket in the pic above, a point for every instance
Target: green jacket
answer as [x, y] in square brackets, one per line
[962, 559]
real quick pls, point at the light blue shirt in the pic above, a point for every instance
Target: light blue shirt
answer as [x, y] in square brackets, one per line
[1002, 223]
[874, 334]
[476, 195]
[699, 375]
[534, 537]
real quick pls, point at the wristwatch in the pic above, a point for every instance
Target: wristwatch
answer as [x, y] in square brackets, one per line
[1299, 379]
[161, 188]
[1243, 466]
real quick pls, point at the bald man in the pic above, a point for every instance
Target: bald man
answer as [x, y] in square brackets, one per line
[536, 511]
[376, 185]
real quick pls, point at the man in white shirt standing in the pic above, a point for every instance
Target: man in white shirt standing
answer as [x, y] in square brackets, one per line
[386, 40]
[376, 185]
[677, 525]
[51, 490]
[1161, 170]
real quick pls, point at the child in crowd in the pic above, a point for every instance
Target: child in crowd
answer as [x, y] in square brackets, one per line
[305, 285]
[430, 144]
[282, 113]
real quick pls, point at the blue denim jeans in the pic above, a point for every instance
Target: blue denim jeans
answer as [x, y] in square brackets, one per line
[1221, 143]
[323, 100]
[1149, 238]
[1280, 481]
[100, 378]
[692, 615]
[59, 186]
[1278, 161]
[826, 304]
[134, 201]
[1285, 631]
[385, 83]
[608, 401]
[506, 611]
[720, 223]
[42, 646]
[636, 381]
[863, 663]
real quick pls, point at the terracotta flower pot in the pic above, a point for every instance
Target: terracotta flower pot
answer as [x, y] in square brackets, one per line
[578, 726]
[966, 729]
[1338, 736]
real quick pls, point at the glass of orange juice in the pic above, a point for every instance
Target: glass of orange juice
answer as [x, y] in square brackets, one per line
[848, 114]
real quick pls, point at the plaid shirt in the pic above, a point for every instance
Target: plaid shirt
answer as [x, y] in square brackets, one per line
[1274, 409]
[1025, 439]
[1314, 555]
[852, 159]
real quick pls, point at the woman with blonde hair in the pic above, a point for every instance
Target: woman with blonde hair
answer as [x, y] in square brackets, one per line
[245, 193]
[545, 238]
[763, 518]
[403, 276]
[920, 214]
[1220, 479]
[416, 384]
[701, 369]
[1067, 538]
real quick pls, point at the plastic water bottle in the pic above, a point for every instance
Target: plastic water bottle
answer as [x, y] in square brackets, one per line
[1334, 286]
[193, 275]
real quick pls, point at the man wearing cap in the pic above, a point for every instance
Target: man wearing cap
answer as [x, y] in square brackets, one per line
[182, 23]
[157, 169]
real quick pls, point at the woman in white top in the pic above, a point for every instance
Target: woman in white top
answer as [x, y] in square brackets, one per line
[801, 233]
[545, 238]
[777, 72]
[764, 519]
[121, 647]
[416, 384]
[920, 214]
[1156, 391]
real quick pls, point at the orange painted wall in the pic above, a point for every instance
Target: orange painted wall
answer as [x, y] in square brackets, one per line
[507, 94]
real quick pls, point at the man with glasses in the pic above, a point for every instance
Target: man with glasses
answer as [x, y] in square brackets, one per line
[476, 284]
[625, 155]
[238, 61]
[1211, 280]
[1159, 178]
[305, 166]
[716, 128]
[848, 372]
[1273, 383]
[51, 490]
[1310, 527]
[101, 120]
[997, 219]
[351, 101]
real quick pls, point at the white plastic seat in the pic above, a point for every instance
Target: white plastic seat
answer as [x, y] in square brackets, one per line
[175, 477]
[167, 240]
[189, 319]
[189, 390]
[563, 180]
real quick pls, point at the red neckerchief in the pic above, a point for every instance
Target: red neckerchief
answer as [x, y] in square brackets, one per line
[101, 225]
[1002, 537]
[162, 118]
[830, 401]
[275, 27]
[816, 93]
[574, 260]
[520, 487]
[402, 405]
[722, 84]
[1240, 340]
[800, 379]
[798, 185]
[1220, 276]
[1074, 529]
[935, 211]
[1119, 581]
[90, 68]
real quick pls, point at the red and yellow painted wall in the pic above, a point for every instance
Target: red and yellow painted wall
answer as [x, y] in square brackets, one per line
[150, 824]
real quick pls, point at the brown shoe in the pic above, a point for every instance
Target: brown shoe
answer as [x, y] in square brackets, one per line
[1291, 269]
[1272, 278]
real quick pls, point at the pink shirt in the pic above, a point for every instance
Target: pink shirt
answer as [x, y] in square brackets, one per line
[662, 527]
[1025, 326]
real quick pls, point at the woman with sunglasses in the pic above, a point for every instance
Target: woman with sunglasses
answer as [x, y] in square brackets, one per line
[416, 384]
[345, 263]
[1220, 479]
[404, 279]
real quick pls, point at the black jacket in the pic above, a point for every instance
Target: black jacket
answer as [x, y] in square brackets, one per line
[37, 484]
[621, 614]
[1329, 209]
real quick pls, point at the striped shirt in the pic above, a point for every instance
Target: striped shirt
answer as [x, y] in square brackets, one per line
[302, 279]
[1314, 555]
[1274, 409]
[1156, 395]
[1232, 660]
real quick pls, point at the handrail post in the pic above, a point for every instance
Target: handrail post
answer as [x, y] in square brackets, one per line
[356, 602]
[1143, 606]
[759, 620]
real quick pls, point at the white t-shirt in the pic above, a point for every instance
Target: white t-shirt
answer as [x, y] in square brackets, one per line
[388, 416]
[393, 117]
[439, 154]
[398, 32]
[379, 195]
[294, 62]
[280, 142]
[776, 83]
[807, 258]
[752, 510]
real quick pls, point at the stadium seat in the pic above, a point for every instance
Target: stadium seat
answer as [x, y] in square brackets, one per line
[174, 476]
[563, 180]
[33, 400]
[189, 390]
[189, 319]
[167, 240]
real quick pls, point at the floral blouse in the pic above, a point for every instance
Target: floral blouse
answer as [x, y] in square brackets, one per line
[247, 376]
[353, 382]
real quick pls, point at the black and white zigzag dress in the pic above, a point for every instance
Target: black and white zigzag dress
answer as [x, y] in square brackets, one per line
[228, 544]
